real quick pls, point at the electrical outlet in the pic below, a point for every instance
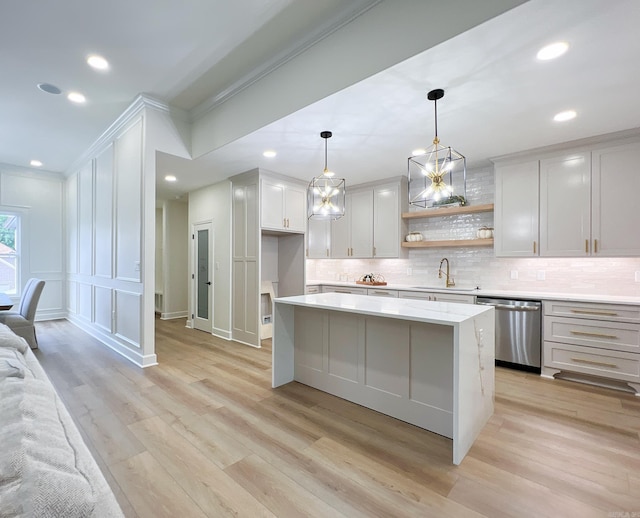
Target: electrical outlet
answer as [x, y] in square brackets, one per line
[540, 275]
[136, 266]
[410, 272]
[637, 276]
[514, 274]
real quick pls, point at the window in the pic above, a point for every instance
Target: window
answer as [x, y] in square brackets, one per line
[9, 256]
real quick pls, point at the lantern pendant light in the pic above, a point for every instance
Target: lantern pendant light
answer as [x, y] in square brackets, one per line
[326, 194]
[431, 173]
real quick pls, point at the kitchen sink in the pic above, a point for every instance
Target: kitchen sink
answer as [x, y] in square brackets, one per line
[443, 288]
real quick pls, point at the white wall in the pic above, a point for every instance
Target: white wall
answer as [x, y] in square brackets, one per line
[38, 197]
[213, 204]
[479, 266]
[104, 237]
[175, 262]
[159, 279]
[111, 228]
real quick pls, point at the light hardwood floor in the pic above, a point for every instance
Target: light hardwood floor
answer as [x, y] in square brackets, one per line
[203, 434]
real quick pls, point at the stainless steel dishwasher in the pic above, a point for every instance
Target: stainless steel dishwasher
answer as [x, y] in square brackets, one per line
[518, 325]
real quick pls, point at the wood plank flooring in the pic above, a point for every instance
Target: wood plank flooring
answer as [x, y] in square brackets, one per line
[203, 434]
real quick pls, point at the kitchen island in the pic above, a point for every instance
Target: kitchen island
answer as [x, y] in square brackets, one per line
[430, 364]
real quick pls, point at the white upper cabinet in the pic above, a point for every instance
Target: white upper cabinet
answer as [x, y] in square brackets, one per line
[615, 184]
[516, 210]
[318, 239]
[565, 205]
[283, 206]
[387, 221]
[371, 227]
[585, 203]
[352, 234]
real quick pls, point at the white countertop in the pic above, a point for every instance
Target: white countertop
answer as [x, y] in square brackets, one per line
[445, 313]
[507, 294]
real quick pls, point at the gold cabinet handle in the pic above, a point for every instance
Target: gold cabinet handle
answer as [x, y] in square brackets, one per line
[596, 335]
[592, 362]
[534, 247]
[592, 312]
[595, 246]
[374, 251]
[327, 252]
[586, 246]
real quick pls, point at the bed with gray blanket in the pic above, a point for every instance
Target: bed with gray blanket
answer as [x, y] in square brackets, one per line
[46, 470]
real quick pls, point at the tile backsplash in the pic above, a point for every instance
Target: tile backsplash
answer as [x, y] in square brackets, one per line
[477, 266]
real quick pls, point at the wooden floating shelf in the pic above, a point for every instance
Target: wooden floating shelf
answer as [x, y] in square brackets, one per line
[447, 243]
[448, 211]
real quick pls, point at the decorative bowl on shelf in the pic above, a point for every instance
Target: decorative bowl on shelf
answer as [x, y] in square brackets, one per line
[414, 236]
[484, 233]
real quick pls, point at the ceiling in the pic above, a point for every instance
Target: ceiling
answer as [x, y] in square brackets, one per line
[498, 98]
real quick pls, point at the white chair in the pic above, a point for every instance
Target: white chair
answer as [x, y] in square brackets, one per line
[21, 321]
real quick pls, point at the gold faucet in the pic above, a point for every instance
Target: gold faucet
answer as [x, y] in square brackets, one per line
[450, 282]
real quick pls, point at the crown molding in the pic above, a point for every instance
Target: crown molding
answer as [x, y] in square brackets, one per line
[313, 37]
[624, 136]
[140, 103]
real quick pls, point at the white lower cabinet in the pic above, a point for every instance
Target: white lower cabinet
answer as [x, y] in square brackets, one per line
[592, 339]
[376, 292]
[438, 296]
[344, 289]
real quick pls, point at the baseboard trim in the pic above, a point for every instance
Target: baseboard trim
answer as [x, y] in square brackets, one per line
[222, 333]
[175, 314]
[135, 357]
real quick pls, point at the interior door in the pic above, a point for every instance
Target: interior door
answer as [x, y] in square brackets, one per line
[203, 277]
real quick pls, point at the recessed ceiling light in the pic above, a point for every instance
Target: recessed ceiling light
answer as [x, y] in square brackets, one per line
[76, 97]
[170, 178]
[565, 116]
[36, 163]
[269, 153]
[49, 88]
[552, 51]
[418, 152]
[98, 62]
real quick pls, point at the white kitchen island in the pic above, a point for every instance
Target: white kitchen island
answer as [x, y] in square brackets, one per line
[430, 364]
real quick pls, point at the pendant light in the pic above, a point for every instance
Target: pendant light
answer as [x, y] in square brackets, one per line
[431, 173]
[326, 194]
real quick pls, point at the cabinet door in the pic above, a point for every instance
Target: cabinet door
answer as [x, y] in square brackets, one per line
[295, 208]
[386, 213]
[272, 205]
[340, 234]
[565, 205]
[615, 188]
[361, 213]
[318, 239]
[516, 210]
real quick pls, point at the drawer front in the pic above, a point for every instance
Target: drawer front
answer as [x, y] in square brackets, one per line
[609, 312]
[314, 289]
[616, 336]
[437, 296]
[458, 299]
[382, 293]
[420, 295]
[344, 289]
[591, 360]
